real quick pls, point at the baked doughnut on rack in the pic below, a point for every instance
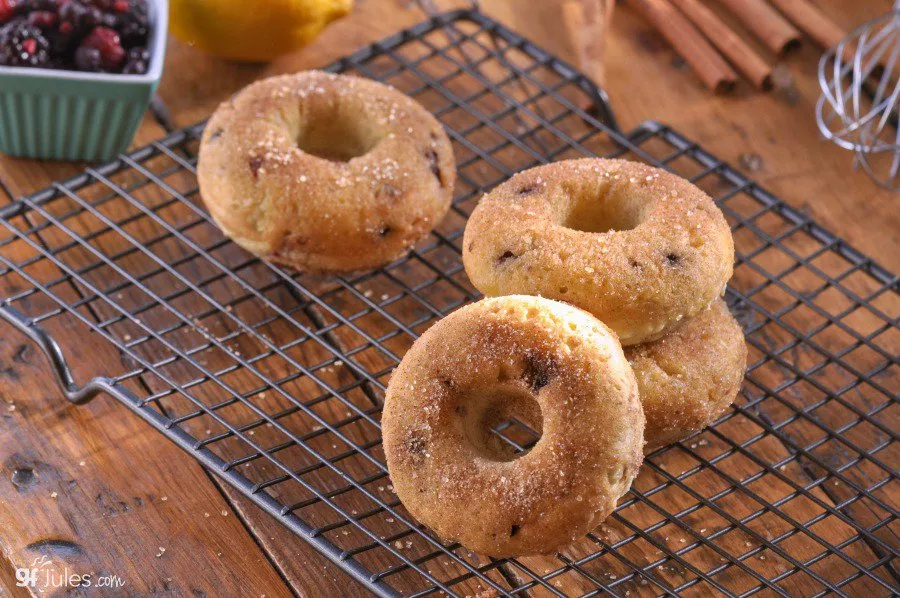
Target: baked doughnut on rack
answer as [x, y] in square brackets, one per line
[325, 173]
[549, 364]
[636, 246]
[689, 377]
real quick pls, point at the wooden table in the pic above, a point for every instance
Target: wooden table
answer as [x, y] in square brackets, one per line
[170, 528]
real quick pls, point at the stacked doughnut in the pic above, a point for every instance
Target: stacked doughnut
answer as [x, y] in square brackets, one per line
[646, 252]
[578, 258]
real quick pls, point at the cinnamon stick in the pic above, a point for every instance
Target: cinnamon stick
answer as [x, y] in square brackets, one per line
[825, 32]
[736, 50]
[765, 23]
[689, 43]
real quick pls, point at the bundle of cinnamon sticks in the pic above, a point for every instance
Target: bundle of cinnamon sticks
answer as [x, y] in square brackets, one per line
[718, 54]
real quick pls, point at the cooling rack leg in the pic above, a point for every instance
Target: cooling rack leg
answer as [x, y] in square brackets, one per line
[602, 108]
[74, 393]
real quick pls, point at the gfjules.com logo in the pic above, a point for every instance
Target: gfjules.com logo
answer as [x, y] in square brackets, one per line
[42, 575]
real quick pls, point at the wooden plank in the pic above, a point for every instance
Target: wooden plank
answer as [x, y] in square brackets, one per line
[107, 499]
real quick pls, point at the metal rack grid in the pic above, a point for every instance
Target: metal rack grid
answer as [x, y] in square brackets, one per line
[274, 381]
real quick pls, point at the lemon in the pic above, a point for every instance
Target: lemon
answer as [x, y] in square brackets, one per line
[252, 31]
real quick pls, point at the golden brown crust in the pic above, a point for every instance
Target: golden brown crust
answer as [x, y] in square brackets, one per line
[513, 355]
[265, 183]
[648, 248]
[689, 377]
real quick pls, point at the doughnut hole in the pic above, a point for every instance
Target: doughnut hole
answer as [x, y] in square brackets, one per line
[602, 208]
[331, 135]
[502, 422]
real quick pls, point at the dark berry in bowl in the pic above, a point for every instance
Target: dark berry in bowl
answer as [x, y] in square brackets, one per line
[133, 23]
[86, 35]
[109, 44]
[88, 59]
[22, 44]
[9, 9]
[72, 13]
[78, 19]
[44, 19]
[29, 5]
[137, 61]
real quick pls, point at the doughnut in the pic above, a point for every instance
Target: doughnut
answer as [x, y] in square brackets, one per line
[556, 368]
[639, 248]
[325, 173]
[689, 377]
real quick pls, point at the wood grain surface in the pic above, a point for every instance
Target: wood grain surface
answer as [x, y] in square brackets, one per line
[97, 490]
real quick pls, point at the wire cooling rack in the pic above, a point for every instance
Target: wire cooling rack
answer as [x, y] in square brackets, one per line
[275, 382]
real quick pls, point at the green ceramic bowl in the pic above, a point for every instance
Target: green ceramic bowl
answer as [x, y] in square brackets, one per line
[69, 115]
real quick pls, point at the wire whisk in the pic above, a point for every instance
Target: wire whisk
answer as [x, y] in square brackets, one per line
[860, 81]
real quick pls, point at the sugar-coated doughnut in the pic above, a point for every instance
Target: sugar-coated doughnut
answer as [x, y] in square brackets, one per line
[554, 367]
[689, 377]
[325, 173]
[636, 246]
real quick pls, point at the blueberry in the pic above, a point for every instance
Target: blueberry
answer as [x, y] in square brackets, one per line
[135, 67]
[134, 25]
[136, 61]
[88, 59]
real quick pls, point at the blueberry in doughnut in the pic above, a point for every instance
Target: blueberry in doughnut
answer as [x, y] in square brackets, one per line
[548, 364]
[636, 246]
[325, 173]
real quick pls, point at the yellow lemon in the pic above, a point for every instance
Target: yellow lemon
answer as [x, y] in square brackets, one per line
[252, 31]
